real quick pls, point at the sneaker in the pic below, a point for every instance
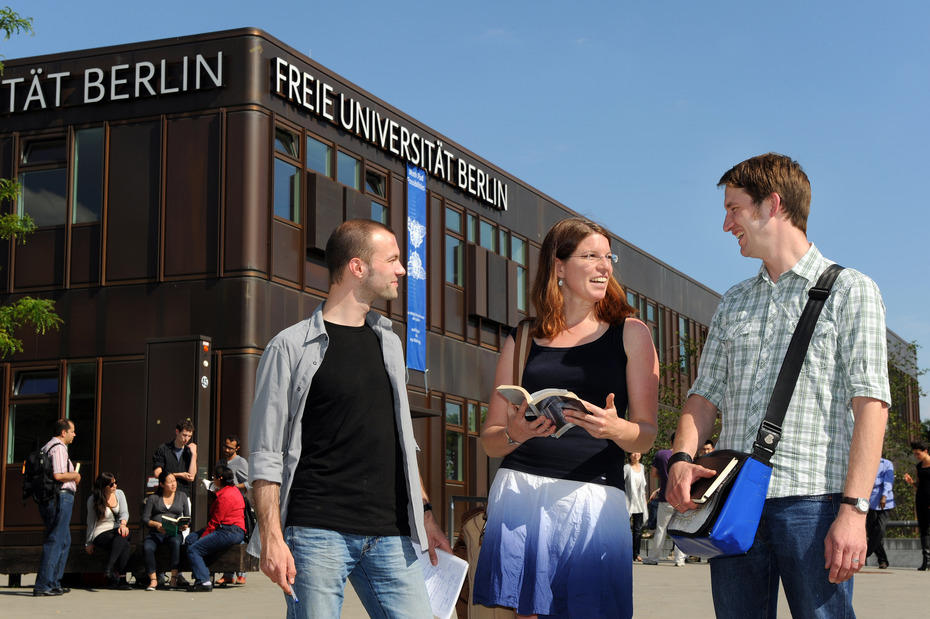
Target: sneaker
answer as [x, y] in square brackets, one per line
[650, 562]
[240, 580]
[679, 563]
[222, 582]
[693, 559]
[883, 565]
[46, 592]
[200, 587]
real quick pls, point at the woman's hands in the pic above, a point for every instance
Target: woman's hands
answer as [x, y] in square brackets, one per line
[123, 530]
[599, 422]
[521, 429]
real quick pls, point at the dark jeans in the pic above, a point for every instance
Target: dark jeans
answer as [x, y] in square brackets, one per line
[653, 509]
[119, 550]
[152, 541]
[875, 524]
[636, 526]
[199, 549]
[57, 518]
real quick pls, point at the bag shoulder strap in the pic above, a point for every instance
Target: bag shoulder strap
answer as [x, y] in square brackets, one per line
[770, 431]
[521, 351]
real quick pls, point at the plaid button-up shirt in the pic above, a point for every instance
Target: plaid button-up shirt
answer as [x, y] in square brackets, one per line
[847, 358]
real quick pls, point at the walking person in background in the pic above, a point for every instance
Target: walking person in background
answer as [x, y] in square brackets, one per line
[107, 518]
[634, 483]
[56, 514]
[552, 544]
[922, 500]
[880, 505]
[659, 477]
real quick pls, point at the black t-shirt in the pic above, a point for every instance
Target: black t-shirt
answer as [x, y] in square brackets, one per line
[166, 458]
[350, 476]
[591, 371]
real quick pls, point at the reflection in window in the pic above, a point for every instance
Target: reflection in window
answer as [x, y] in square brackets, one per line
[43, 196]
[319, 157]
[348, 170]
[453, 220]
[453, 413]
[455, 259]
[82, 387]
[631, 298]
[521, 289]
[379, 212]
[488, 238]
[682, 343]
[286, 191]
[88, 175]
[31, 425]
[484, 413]
[40, 152]
[375, 183]
[286, 142]
[471, 228]
[36, 382]
[472, 417]
[455, 457]
[502, 235]
[518, 250]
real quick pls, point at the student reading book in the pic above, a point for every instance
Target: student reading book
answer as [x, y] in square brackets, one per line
[173, 525]
[548, 403]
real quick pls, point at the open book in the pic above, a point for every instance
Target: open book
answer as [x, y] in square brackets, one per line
[548, 403]
[172, 525]
[704, 488]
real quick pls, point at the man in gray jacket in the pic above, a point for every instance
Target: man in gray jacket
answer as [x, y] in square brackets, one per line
[332, 452]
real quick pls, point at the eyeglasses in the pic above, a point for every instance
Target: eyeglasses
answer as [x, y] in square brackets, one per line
[592, 257]
[113, 483]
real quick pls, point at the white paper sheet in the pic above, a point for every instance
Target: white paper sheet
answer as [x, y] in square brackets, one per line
[443, 582]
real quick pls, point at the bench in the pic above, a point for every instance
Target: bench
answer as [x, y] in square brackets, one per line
[18, 560]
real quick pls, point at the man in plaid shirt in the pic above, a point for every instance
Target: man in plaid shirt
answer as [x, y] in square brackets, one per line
[812, 533]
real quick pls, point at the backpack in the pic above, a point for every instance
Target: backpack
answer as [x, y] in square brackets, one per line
[250, 521]
[39, 477]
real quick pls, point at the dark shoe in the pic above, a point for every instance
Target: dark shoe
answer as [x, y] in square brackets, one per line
[181, 582]
[46, 592]
[62, 590]
[200, 588]
[883, 565]
[122, 585]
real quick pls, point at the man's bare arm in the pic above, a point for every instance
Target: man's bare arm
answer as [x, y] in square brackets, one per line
[696, 424]
[276, 561]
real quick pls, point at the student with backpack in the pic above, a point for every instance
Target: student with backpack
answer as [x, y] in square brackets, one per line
[56, 512]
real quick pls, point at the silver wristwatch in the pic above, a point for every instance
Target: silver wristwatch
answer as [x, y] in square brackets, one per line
[861, 505]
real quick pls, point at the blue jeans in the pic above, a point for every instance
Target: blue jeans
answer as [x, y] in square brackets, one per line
[199, 548]
[57, 519]
[384, 572]
[789, 545]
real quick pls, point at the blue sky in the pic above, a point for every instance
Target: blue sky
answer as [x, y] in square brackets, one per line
[628, 112]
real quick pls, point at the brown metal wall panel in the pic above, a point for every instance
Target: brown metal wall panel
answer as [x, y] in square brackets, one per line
[122, 431]
[434, 276]
[476, 266]
[40, 262]
[497, 288]
[454, 310]
[247, 182]
[288, 255]
[132, 205]
[192, 196]
[316, 275]
[358, 206]
[324, 206]
[85, 254]
[237, 392]
[513, 314]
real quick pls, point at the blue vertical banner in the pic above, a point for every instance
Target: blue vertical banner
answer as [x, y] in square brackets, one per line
[416, 268]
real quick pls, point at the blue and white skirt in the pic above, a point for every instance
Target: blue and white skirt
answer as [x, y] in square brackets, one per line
[556, 548]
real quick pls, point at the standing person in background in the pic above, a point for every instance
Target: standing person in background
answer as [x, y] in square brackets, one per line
[880, 504]
[634, 483]
[659, 477]
[552, 545]
[56, 514]
[922, 500]
[240, 468]
[707, 447]
[332, 450]
[107, 518]
[179, 456]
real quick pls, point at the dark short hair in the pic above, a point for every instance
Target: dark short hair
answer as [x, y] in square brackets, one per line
[225, 474]
[709, 442]
[164, 475]
[62, 425]
[920, 445]
[185, 424]
[763, 175]
[232, 437]
[351, 239]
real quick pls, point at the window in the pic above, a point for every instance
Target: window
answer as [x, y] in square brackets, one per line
[349, 170]
[473, 425]
[683, 343]
[285, 142]
[455, 442]
[455, 248]
[319, 157]
[88, 176]
[502, 241]
[376, 186]
[44, 180]
[471, 228]
[518, 255]
[631, 298]
[82, 389]
[453, 220]
[488, 236]
[286, 190]
[33, 411]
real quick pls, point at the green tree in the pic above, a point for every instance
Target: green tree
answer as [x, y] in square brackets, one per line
[39, 314]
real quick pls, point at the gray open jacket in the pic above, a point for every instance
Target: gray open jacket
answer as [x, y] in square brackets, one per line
[285, 372]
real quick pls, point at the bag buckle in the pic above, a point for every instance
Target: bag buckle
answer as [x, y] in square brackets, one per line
[818, 294]
[766, 439]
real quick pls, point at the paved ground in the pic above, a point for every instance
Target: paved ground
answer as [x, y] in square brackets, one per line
[662, 591]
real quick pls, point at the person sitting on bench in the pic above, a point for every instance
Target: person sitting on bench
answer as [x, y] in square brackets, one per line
[107, 515]
[225, 528]
[171, 502]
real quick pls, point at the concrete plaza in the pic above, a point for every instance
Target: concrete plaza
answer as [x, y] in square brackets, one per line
[661, 591]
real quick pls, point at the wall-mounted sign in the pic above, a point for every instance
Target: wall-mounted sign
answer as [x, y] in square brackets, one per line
[416, 268]
[321, 99]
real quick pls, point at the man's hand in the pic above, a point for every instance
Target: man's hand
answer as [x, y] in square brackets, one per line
[680, 478]
[277, 563]
[193, 447]
[435, 536]
[845, 545]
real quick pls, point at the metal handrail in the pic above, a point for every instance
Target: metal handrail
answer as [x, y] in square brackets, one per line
[451, 512]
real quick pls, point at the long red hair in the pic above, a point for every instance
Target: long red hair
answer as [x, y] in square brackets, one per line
[560, 242]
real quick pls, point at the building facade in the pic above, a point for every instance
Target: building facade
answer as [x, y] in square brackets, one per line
[184, 190]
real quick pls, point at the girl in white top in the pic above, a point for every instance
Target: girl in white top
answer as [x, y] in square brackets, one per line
[107, 515]
[634, 480]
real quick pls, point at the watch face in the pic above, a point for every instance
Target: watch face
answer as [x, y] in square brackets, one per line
[862, 505]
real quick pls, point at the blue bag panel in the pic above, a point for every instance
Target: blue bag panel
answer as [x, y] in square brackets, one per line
[735, 528]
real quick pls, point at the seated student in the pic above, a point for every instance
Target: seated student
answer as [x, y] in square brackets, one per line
[225, 528]
[107, 515]
[171, 502]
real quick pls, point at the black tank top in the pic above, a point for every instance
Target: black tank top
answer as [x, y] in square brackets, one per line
[591, 371]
